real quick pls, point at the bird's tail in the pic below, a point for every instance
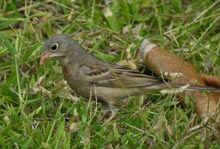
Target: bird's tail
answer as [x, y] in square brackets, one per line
[178, 88]
[172, 88]
[199, 87]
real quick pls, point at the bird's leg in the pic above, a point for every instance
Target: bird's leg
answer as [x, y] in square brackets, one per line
[125, 101]
[114, 111]
[105, 111]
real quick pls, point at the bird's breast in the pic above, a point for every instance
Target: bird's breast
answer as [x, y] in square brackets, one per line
[65, 70]
[76, 81]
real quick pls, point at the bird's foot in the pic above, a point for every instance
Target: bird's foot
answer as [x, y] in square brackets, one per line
[112, 117]
[104, 116]
[109, 113]
[114, 112]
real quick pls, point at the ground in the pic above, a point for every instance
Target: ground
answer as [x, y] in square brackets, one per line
[39, 110]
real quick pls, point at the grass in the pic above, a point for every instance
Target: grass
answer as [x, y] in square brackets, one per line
[37, 109]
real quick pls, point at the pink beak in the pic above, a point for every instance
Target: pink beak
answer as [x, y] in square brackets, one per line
[44, 58]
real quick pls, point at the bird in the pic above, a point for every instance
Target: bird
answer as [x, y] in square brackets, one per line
[93, 78]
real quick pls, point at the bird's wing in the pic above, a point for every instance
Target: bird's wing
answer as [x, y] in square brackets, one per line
[115, 76]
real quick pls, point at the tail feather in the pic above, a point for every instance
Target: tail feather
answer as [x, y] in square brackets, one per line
[177, 88]
[197, 87]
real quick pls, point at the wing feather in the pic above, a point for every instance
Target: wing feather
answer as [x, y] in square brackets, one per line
[115, 76]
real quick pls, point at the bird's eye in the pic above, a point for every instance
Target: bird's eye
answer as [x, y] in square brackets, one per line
[54, 47]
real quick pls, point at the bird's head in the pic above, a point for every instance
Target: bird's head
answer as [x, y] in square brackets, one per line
[56, 47]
